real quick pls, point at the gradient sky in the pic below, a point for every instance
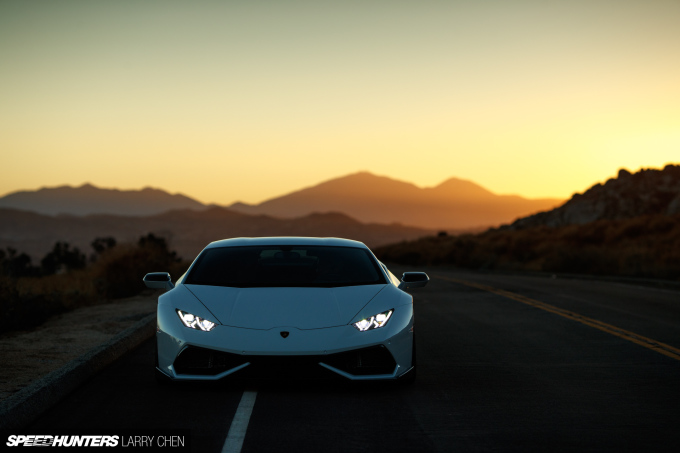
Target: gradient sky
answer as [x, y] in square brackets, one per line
[246, 100]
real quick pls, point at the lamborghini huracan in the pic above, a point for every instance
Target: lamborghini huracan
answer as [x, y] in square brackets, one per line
[286, 307]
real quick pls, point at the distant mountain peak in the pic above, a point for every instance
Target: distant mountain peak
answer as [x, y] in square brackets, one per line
[363, 176]
[462, 188]
[240, 204]
[89, 199]
[453, 204]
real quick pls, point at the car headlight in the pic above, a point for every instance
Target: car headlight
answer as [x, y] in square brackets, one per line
[194, 322]
[374, 322]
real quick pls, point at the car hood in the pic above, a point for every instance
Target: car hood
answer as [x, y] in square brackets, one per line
[267, 308]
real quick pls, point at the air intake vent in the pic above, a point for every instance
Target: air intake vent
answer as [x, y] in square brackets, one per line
[362, 362]
[201, 361]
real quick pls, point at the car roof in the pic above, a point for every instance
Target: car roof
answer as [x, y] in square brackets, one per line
[286, 240]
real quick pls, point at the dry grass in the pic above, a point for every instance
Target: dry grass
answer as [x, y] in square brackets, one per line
[29, 301]
[647, 246]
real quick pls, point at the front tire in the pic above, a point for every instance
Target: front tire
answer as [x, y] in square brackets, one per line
[410, 377]
[159, 376]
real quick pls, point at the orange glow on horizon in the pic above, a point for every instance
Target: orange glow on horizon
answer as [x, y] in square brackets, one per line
[227, 103]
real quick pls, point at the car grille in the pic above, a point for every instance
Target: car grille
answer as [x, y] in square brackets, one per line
[360, 362]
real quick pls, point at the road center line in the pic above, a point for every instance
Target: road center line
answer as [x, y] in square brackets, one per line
[237, 431]
[648, 343]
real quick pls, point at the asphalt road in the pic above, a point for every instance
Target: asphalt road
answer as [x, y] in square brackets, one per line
[495, 374]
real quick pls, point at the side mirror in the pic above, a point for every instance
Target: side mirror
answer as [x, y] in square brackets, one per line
[158, 280]
[412, 280]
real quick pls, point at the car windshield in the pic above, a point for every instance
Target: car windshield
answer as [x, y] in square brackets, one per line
[285, 266]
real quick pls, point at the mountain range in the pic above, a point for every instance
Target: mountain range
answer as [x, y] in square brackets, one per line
[187, 230]
[88, 199]
[190, 228]
[454, 204]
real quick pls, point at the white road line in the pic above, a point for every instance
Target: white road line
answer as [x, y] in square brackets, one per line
[239, 425]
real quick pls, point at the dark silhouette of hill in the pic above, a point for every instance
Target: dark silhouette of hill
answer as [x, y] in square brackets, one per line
[453, 204]
[188, 231]
[647, 192]
[645, 246]
[88, 199]
[629, 226]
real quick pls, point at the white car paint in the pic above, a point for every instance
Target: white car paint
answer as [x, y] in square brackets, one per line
[265, 308]
[319, 321]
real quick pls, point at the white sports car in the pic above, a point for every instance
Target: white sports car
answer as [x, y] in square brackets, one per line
[286, 307]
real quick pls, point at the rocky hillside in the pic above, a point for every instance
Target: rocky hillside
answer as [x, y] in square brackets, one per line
[647, 192]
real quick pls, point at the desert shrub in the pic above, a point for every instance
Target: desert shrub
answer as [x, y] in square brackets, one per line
[661, 224]
[27, 301]
[589, 234]
[13, 264]
[62, 258]
[647, 246]
[101, 245]
[120, 270]
[23, 311]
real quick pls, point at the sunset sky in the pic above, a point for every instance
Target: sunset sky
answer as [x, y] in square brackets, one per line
[246, 100]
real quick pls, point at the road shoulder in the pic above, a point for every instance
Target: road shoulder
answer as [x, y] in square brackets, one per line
[52, 360]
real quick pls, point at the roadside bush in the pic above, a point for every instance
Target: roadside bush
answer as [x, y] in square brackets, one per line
[16, 265]
[647, 246]
[23, 311]
[120, 270]
[100, 245]
[62, 258]
[27, 300]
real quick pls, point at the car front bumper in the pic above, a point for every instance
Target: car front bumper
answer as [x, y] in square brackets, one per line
[380, 354]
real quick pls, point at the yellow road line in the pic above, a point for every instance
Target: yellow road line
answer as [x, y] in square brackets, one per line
[648, 343]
